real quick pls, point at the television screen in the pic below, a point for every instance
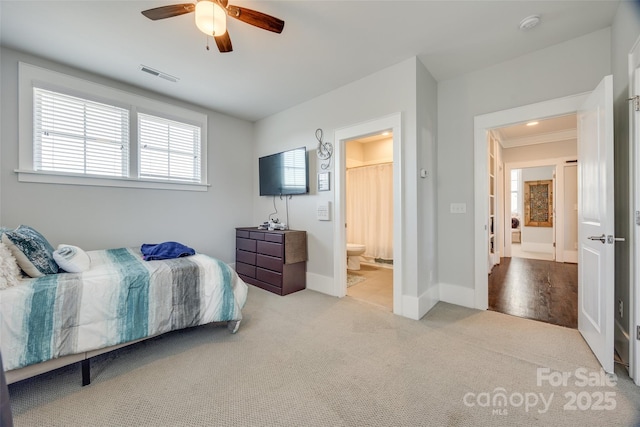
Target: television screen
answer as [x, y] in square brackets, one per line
[284, 173]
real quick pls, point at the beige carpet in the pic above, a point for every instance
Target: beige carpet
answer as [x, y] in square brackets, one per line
[307, 359]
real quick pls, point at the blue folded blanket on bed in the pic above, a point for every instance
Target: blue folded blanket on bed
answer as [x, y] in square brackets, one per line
[165, 250]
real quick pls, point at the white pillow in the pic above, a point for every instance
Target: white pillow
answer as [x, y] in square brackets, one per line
[71, 259]
[9, 270]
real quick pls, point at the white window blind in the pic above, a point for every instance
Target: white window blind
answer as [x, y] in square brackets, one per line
[79, 136]
[169, 150]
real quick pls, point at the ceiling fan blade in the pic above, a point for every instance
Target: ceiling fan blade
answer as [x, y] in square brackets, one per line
[257, 19]
[169, 11]
[224, 42]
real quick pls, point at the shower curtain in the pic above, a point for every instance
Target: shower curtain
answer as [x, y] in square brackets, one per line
[370, 209]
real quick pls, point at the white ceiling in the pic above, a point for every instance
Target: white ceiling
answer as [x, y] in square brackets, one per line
[325, 44]
[561, 128]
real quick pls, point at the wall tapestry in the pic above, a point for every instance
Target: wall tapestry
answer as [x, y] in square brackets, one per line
[538, 203]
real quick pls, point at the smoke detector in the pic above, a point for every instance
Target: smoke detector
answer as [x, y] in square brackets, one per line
[529, 22]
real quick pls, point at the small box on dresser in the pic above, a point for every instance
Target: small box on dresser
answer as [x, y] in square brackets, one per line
[275, 260]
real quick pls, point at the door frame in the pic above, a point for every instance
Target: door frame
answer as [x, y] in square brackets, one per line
[483, 124]
[634, 235]
[393, 124]
[559, 220]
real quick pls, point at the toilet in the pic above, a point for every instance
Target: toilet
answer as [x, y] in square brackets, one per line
[354, 250]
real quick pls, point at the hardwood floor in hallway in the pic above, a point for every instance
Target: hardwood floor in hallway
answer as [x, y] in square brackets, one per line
[535, 289]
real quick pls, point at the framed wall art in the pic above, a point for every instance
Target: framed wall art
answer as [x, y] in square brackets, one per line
[538, 203]
[324, 183]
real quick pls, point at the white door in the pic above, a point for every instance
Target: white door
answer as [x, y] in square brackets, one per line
[596, 223]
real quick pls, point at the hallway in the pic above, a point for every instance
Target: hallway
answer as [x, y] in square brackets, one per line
[534, 289]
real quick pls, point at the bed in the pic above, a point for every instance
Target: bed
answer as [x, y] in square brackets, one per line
[58, 319]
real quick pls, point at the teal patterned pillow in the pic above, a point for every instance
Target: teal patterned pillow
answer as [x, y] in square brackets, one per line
[32, 251]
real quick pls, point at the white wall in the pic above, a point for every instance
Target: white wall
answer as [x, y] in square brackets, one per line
[541, 151]
[108, 217]
[369, 153]
[399, 88]
[572, 67]
[570, 211]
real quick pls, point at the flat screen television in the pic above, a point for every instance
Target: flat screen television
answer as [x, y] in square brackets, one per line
[284, 173]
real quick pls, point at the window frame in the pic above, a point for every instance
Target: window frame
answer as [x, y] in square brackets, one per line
[518, 191]
[31, 76]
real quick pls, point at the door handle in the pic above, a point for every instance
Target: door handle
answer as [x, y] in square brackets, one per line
[607, 239]
[611, 239]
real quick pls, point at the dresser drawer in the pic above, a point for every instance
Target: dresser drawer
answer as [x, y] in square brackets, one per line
[268, 248]
[245, 244]
[278, 238]
[269, 276]
[242, 233]
[246, 257]
[246, 269]
[256, 235]
[269, 262]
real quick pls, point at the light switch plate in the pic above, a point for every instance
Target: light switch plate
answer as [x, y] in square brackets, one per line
[323, 211]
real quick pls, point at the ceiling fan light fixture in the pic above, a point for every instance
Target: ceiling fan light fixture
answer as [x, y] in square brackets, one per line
[211, 19]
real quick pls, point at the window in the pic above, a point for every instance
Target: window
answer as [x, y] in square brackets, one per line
[294, 170]
[77, 136]
[73, 131]
[515, 191]
[168, 149]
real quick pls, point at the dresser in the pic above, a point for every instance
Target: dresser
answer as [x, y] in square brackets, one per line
[272, 260]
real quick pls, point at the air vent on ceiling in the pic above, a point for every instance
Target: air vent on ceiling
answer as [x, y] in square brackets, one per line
[158, 73]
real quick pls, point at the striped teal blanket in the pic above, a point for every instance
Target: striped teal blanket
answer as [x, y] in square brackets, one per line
[121, 298]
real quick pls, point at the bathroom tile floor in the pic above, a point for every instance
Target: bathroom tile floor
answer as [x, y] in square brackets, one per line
[377, 288]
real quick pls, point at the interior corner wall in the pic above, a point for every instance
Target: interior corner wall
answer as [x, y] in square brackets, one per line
[110, 217]
[573, 67]
[625, 31]
[380, 94]
[427, 117]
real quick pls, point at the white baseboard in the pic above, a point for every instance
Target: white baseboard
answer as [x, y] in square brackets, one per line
[458, 295]
[544, 248]
[570, 256]
[416, 307]
[322, 284]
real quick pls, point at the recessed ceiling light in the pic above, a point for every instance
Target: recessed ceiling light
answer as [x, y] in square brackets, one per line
[385, 133]
[529, 22]
[532, 123]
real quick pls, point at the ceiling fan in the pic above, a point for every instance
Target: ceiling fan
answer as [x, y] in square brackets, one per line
[211, 18]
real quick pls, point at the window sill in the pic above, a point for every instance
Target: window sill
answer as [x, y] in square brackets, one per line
[99, 181]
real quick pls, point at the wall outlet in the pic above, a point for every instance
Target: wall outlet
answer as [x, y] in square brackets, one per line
[458, 208]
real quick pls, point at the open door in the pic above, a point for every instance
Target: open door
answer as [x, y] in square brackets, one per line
[596, 223]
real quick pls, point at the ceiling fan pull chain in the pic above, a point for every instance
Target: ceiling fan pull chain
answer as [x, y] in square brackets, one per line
[207, 42]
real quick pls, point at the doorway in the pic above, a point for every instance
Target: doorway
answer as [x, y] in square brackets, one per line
[595, 210]
[392, 124]
[483, 124]
[369, 218]
[537, 276]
